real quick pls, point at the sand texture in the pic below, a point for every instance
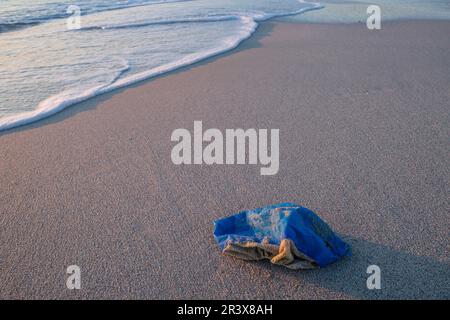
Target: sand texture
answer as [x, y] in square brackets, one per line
[364, 142]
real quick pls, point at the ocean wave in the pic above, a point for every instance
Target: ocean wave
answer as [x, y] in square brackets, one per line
[210, 18]
[215, 18]
[6, 27]
[67, 98]
[60, 101]
[12, 20]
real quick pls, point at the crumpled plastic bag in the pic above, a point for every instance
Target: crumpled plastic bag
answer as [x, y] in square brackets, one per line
[286, 234]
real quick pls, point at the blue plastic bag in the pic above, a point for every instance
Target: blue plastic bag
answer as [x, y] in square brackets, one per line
[286, 233]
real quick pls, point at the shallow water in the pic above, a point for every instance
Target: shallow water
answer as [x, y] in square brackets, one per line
[349, 11]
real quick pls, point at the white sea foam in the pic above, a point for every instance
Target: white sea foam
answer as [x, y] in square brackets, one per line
[120, 74]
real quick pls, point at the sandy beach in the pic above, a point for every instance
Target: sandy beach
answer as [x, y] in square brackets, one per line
[364, 127]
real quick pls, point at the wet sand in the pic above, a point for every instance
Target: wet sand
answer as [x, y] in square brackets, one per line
[364, 130]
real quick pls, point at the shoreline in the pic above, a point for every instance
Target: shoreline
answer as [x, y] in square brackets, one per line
[363, 143]
[42, 115]
[41, 112]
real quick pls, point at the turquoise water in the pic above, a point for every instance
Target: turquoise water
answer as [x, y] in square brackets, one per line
[355, 11]
[45, 67]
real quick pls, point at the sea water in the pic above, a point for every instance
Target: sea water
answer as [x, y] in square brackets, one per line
[46, 66]
[352, 11]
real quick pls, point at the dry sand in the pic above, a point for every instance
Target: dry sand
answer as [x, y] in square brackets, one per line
[364, 130]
